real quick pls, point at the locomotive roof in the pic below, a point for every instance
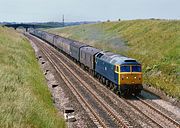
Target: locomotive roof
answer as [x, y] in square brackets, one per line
[117, 59]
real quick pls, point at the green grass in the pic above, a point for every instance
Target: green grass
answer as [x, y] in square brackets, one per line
[25, 101]
[155, 43]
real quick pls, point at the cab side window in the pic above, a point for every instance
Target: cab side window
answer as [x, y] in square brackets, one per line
[116, 68]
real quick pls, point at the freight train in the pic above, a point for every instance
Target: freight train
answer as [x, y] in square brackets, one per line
[120, 73]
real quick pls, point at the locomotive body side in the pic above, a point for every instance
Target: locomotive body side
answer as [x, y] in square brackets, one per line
[105, 68]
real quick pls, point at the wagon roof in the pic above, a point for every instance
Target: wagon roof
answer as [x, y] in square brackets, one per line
[117, 59]
[90, 50]
[51, 34]
[78, 44]
[67, 41]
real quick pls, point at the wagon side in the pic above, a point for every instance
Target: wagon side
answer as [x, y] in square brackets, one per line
[75, 50]
[87, 56]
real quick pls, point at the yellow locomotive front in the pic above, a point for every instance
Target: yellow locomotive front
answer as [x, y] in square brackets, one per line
[130, 79]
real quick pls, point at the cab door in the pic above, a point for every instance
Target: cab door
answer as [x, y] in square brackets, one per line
[116, 74]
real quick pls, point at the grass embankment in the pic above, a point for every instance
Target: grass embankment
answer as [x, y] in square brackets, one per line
[155, 43]
[25, 100]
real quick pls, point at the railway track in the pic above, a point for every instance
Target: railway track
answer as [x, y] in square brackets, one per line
[155, 115]
[119, 121]
[171, 122]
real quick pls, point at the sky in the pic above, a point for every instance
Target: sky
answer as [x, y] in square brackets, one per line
[87, 10]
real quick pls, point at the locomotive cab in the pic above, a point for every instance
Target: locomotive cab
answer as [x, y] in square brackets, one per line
[130, 78]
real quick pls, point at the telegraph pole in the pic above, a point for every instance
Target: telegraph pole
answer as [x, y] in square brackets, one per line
[63, 20]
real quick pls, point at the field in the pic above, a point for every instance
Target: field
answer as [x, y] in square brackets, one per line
[154, 43]
[25, 101]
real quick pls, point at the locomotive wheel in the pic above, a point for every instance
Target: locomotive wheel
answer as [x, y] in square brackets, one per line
[107, 83]
[104, 80]
[101, 79]
[119, 93]
[111, 86]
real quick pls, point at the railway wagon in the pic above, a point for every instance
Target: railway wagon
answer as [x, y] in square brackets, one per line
[31, 31]
[87, 57]
[35, 32]
[43, 35]
[48, 37]
[75, 47]
[38, 33]
[63, 44]
[124, 73]
[58, 42]
[66, 45]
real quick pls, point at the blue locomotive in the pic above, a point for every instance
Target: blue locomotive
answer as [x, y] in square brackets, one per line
[120, 73]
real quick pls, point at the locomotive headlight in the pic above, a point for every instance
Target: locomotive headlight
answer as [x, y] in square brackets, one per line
[135, 77]
[127, 77]
[122, 77]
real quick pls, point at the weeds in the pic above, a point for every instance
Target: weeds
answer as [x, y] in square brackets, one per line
[25, 100]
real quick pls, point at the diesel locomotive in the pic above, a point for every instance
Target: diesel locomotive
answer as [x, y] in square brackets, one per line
[120, 73]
